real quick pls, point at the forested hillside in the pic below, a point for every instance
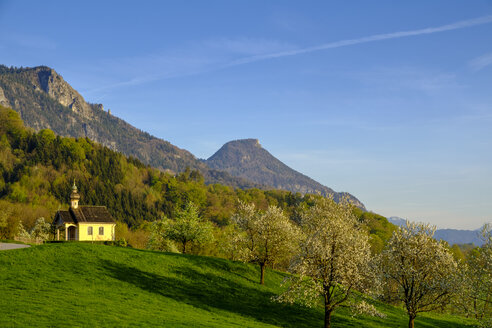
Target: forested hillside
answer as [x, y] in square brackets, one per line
[38, 168]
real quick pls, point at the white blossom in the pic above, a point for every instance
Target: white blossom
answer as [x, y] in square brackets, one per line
[266, 237]
[422, 269]
[475, 292]
[333, 260]
[364, 308]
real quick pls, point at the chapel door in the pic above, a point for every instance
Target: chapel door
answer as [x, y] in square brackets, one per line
[71, 233]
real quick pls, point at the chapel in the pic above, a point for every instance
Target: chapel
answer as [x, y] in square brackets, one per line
[84, 223]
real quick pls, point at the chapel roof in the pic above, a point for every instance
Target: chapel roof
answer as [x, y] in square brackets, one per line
[83, 214]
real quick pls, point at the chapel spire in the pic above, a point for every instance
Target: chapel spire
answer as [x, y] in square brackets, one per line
[74, 197]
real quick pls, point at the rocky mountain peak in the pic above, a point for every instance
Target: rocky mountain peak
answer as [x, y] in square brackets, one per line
[49, 81]
[254, 142]
[46, 77]
[250, 142]
[247, 159]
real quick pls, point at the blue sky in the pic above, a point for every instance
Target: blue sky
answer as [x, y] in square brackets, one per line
[390, 101]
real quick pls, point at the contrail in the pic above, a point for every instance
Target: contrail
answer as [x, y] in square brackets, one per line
[372, 38]
[338, 44]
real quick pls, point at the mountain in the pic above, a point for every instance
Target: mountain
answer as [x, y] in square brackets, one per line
[397, 221]
[46, 101]
[455, 236]
[248, 159]
[452, 236]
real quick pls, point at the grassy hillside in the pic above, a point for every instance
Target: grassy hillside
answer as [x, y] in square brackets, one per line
[59, 285]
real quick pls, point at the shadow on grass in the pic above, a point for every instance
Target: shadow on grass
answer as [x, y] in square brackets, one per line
[232, 267]
[208, 291]
[427, 322]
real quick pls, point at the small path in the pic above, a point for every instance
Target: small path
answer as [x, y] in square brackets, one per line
[4, 246]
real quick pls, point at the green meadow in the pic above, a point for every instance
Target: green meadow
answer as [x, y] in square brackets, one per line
[86, 285]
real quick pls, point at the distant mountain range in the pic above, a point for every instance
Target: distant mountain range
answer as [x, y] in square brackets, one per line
[46, 101]
[452, 236]
[248, 159]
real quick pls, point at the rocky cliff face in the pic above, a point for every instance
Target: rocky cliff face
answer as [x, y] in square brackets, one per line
[248, 159]
[53, 84]
[3, 101]
[46, 101]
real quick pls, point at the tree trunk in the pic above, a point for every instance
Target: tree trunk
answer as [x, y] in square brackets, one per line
[328, 317]
[410, 321]
[485, 306]
[184, 247]
[262, 277]
[328, 308]
[477, 315]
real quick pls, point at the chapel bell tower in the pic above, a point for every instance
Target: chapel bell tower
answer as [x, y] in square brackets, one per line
[74, 197]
